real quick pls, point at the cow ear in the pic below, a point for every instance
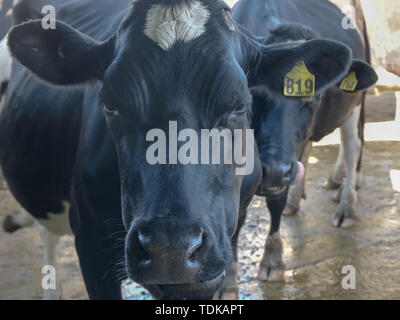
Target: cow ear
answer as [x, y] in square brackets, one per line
[360, 77]
[301, 69]
[61, 56]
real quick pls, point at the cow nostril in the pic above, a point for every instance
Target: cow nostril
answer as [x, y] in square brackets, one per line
[149, 249]
[287, 171]
[291, 168]
[195, 246]
[144, 252]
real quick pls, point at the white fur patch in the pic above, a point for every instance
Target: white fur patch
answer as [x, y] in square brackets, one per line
[5, 63]
[57, 224]
[167, 24]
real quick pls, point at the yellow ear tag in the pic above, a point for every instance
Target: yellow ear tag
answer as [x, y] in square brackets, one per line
[350, 82]
[299, 82]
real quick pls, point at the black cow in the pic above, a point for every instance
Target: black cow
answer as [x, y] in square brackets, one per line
[168, 227]
[285, 128]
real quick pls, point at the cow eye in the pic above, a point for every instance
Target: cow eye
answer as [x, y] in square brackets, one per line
[110, 111]
[239, 110]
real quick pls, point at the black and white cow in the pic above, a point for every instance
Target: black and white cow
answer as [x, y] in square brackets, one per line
[5, 58]
[285, 128]
[172, 228]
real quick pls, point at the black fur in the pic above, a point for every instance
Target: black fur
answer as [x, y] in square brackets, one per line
[291, 32]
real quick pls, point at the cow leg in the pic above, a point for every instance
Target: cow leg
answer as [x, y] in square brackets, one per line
[24, 219]
[231, 288]
[297, 192]
[50, 242]
[50, 230]
[361, 127]
[345, 215]
[272, 267]
[336, 179]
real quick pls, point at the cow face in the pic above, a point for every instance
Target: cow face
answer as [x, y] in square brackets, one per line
[188, 63]
[283, 125]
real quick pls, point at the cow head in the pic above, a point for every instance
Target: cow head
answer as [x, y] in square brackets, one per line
[283, 125]
[184, 61]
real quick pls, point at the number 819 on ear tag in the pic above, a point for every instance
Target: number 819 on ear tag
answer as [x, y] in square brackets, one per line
[299, 82]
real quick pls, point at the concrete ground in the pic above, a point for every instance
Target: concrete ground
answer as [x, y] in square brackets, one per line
[314, 251]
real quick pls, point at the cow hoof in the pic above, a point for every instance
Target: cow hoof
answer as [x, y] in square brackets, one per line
[345, 223]
[271, 266]
[341, 220]
[330, 184]
[271, 274]
[290, 211]
[9, 225]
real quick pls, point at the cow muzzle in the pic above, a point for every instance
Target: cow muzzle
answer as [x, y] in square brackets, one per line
[206, 290]
[277, 177]
[172, 260]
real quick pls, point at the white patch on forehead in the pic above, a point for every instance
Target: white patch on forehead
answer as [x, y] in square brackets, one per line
[167, 24]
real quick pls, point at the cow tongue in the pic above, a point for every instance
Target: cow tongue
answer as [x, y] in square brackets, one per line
[300, 173]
